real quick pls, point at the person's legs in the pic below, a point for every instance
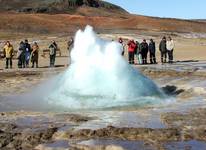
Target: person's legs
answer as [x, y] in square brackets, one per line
[140, 59]
[54, 58]
[32, 63]
[50, 60]
[28, 63]
[145, 58]
[10, 61]
[162, 55]
[154, 58]
[37, 66]
[130, 58]
[19, 63]
[165, 57]
[171, 56]
[7, 63]
[151, 59]
[23, 61]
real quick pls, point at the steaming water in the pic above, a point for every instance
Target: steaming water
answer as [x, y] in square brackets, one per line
[99, 77]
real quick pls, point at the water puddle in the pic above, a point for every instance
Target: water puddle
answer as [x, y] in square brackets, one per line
[189, 145]
[126, 145]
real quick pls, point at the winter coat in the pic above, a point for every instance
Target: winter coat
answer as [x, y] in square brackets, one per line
[170, 45]
[8, 51]
[131, 46]
[21, 51]
[27, 50]
[144, 48]
[35, 53]
[152, 47]
[53, 49]
[163, 46]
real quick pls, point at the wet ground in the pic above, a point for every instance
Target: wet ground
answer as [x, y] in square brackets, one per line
[177, 124]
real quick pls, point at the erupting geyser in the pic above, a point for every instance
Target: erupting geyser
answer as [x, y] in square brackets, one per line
[99, 77]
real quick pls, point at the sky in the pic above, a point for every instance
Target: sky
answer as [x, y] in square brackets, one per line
[183, 9]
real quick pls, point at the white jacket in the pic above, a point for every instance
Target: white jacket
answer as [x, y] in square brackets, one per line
[170, 45]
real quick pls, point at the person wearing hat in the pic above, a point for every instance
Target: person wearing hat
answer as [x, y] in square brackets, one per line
[163, 50]
[152, 51]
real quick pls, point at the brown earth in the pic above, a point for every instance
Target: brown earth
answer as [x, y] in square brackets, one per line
[67, 24]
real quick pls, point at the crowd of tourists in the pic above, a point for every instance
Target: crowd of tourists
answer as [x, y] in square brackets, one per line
[138, 52]
[29, 53]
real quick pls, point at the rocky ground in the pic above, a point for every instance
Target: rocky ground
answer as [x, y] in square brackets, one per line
[181, 125]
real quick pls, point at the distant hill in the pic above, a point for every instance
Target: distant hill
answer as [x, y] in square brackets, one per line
[59, 6]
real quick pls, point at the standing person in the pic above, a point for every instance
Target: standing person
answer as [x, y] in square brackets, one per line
[163, 50]
[27, 49]
[131, 48]
[139, 54]
[53, 48]
[35, 54]
[70, 44]
[8, 53]
[144, 51]
[136, 51]
[122, 43]
[170, 49]
[21, 55]
[152, 51]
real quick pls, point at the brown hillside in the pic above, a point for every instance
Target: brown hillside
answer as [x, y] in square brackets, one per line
[65, 23]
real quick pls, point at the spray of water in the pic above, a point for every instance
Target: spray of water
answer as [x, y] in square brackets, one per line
[99, 77]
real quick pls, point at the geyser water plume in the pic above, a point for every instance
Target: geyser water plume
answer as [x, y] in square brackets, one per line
[99, 77]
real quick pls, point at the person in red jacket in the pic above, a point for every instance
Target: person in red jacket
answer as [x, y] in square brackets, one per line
[131, 49]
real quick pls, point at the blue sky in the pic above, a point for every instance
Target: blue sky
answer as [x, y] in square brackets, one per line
[184, 9]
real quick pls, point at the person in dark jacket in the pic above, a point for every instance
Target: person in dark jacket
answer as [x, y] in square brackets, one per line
[152, 51]
[21, 55]
[163, 50]
[136, 51]
[27, 49]
[144, 51]
[131, 48]
[53, 48]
